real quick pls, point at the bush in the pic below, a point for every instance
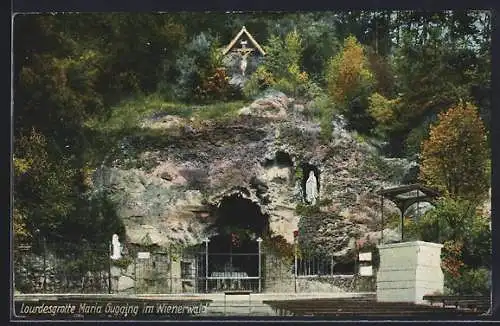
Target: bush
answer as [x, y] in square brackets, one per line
[278, 245]
[261, 80]
[306, 210]
[449, 220]
[383, 110]
[200, 72]
[123, 262]
[216, 87]
[281, 68]
[469, 282]
[466, 254]
[324, 110]
[411, 232]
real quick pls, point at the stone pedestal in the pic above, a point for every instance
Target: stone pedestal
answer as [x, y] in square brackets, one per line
[408, 271]
[176, 285]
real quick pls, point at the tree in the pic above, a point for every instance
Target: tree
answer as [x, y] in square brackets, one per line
[455, 156]
[438, 59]
[350, 82]
[383, 111]
[281, 68]
[198, 69]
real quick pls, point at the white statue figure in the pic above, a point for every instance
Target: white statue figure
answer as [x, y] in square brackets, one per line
[117, 247]
[311, 188]
[243, 64]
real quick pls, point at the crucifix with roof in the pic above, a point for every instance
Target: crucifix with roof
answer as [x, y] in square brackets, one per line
[247, 45]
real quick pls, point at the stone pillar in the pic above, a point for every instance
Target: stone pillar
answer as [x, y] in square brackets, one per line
[408, 271]
[176, 275]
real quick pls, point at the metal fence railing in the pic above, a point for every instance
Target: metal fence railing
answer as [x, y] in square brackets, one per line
[175, 270]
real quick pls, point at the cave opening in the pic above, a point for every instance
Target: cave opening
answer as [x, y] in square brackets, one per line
[281, 160]
[239, 222]
[306, 168]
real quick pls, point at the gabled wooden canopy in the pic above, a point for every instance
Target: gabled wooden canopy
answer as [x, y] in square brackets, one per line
[404, 197]
[238, 36]
[407, 195]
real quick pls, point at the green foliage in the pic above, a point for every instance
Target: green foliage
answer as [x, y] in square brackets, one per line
[43, 191]
[216, 86]
[437, 68]
[21, 232]
[450, 219]
[415, 138]
[278, 245]
[219, 110]
[454, 158]
[360, 139]
[306, 210]
[348, 71]
[299, 173]
[260, 80]
[411, 230]
[469, 282]
[350, 83]
[193, 66]
[123, 262]
[451, 258]
[325, 110]
[281, 68]
[467, 243]
[376, 163]
[84, 82]
[325, 202]
[382, 110]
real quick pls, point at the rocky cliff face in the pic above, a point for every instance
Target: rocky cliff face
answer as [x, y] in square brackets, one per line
[168, 186]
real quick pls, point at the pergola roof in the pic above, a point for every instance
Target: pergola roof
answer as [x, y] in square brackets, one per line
[407, 195]
[404, 197]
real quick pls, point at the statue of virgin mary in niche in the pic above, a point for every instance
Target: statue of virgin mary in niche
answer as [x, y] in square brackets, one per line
[311, 189]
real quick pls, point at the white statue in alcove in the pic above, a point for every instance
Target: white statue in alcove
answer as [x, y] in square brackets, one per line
[311, 188]
[116, 248]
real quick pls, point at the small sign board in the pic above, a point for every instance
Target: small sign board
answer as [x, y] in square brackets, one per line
[365, 256]
[143, 255]
[365, 270]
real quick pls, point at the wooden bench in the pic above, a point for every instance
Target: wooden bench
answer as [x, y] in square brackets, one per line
[477, 302]
[360, 307]
[226, 293]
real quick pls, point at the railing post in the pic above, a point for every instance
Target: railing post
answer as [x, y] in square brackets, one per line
[206, 240]
[170, 264]
[296, 265]
[382, 219]
[44, 264]
[259, 241]
[109, 269]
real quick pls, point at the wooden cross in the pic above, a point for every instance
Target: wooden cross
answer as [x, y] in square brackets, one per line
[244, 51]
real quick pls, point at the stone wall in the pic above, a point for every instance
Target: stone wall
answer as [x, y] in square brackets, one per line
[278, 277]
[277, 274]
[31, 271]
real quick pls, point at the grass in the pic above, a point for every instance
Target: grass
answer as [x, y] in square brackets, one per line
[130, 112]
[220, 110]
[103, 135]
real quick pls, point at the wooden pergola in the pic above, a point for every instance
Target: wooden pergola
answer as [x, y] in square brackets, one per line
[404, 197]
